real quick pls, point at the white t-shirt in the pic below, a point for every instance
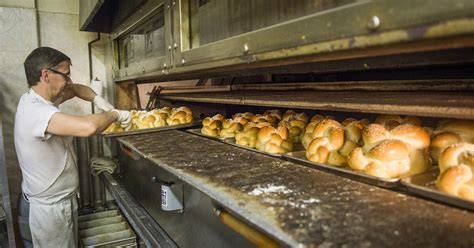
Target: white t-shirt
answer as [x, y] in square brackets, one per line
[42, 156]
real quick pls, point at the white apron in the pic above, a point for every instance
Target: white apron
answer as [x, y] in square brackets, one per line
[53, 212]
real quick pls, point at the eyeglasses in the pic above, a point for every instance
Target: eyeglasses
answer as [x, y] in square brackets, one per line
[65, 76]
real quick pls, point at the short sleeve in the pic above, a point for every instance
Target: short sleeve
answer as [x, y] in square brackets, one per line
[40, 116]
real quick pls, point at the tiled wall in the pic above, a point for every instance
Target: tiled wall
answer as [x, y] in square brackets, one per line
[19, 37]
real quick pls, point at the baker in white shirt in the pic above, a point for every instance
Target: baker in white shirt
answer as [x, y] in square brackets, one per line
[43, 136]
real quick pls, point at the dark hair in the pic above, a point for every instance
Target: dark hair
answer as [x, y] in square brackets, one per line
[39, 59]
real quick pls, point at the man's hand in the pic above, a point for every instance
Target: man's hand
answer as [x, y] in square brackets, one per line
[124, 117]
[102, 104]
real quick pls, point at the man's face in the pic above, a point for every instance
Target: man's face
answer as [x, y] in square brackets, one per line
[59, 78]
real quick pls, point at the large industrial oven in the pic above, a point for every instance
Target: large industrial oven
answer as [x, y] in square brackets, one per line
[339, 58]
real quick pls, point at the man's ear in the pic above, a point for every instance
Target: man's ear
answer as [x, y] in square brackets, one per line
[44, 76]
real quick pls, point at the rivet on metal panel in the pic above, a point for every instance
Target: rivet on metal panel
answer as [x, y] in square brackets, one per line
[174, 3]
[143, 69]
[165, 66]
[168, 6]
[374, 23]
[245, 49]
[183, 61]
[175, 45]
[169, 48]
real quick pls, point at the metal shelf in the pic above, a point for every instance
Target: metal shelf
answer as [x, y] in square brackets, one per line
[446, 104]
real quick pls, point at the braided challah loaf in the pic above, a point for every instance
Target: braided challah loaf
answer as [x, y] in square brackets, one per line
[295, 125]
[307, 134]
[448, 133]
[181, 115]
[352, 135]
[211, 126]
[230, 128]
[248, 136]
[151, 119]
[114, 127]
[401, 151]
[327, 139]
[456, 165]
[273, 140]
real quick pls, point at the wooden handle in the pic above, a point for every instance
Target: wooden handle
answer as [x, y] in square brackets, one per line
[257, 238]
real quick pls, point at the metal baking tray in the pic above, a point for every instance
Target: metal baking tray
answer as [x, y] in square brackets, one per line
[231, 141]
[300, 158]
[197, 131]
[424, 184]
[151, 130]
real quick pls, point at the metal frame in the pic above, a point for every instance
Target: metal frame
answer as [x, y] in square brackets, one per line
[372, 23]
[158, 64]
[143, 224]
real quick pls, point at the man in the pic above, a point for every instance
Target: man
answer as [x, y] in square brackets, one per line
[43, 138]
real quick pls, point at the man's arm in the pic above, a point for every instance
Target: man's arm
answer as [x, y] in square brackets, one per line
[80, 126]
[79, 90]
[86, 94]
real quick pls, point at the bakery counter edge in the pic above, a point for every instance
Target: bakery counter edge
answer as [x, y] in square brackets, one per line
[300, 206]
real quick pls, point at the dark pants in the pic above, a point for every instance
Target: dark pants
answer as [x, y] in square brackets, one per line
[23, 221]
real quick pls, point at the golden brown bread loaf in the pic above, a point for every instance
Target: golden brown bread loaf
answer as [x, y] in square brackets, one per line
[448, 133]
[135, 115]
[352, 135]
[401, 151]
[211, 126]
[151, 119]
[248, 136]
[230, 128]
[113, 128]
[327, 139]
[456, 165]
[296, 125]
[264, 118]
[181, 115]
[166, 110]
[391, 121]
[243, 121]
[273, 140]
[307, 134]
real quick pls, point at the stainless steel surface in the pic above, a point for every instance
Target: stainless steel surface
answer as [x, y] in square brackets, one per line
[296, 205]
[106, 228]
[349, 28]
[300, 158]
[425, 185]
[148, 231]
[339, 29]
[151, 130]
[197, 226]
